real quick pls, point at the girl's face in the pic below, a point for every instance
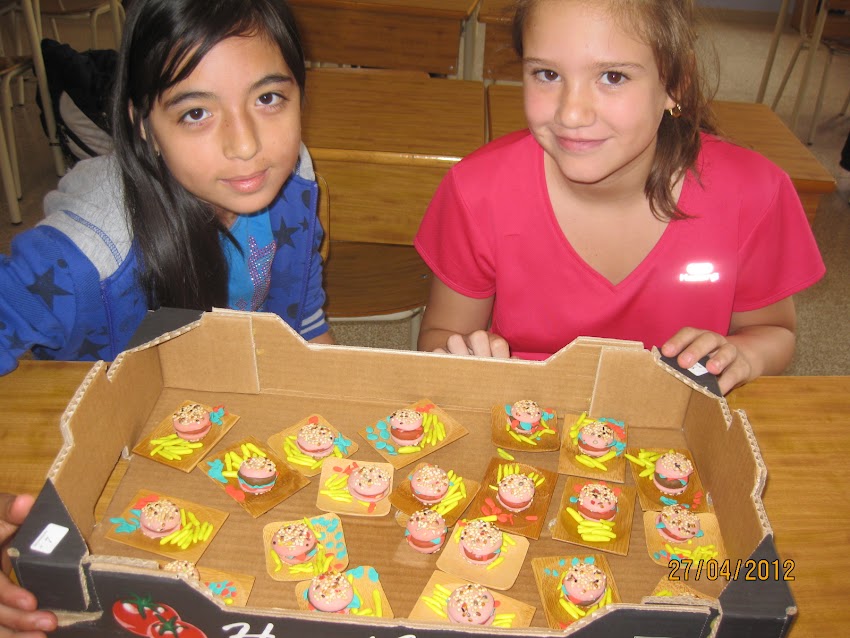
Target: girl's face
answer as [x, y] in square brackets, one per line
[593, 96]
[230, 133]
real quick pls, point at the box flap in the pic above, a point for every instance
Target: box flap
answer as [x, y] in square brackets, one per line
[47, 553]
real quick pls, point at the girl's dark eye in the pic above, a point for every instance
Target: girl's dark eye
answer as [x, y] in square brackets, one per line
[613, 77]
[269, 99]
[546, 75]
[194, 116]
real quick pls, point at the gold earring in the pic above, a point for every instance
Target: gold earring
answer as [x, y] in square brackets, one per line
[675, 111]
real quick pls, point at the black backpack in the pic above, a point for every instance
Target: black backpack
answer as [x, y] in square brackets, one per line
[80, 86]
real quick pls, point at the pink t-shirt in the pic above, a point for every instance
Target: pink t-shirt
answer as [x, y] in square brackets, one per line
[490, 230]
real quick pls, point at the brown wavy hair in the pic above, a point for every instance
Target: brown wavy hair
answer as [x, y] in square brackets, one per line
[669, 28]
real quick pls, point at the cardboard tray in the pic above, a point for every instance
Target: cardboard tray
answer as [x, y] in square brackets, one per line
[263, 371]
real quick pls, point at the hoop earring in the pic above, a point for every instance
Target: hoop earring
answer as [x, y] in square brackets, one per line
[675, 111]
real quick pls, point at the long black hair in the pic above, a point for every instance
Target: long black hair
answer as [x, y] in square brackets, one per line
[177, 235]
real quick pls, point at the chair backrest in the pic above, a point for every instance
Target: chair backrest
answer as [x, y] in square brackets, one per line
[383, 141]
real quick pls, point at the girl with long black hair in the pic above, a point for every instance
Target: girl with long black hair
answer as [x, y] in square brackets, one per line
[208, 200]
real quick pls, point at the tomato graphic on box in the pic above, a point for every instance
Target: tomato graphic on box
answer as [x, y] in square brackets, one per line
[142, 616]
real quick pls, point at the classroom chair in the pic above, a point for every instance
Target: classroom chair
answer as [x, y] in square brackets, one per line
[383, 140]
[55, 10]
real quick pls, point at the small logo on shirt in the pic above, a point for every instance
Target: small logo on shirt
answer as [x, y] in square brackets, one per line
[699, 271]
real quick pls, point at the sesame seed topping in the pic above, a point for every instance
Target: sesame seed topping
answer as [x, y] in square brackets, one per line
[470, 600]
[190, 413]
[259, 463]
[517, 485]
[316, 434]
[292, 535]
[587, 577]
[598, 493]
[478, 535]
[427, 518]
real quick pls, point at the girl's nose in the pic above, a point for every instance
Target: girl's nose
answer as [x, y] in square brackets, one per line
[575, 107]
[240, 137]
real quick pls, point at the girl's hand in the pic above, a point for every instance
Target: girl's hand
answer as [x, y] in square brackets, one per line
[477, 344]
[727, 362]
[759, 342]
[17, 606]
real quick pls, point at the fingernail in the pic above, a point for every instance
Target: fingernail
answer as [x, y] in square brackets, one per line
[44, 624]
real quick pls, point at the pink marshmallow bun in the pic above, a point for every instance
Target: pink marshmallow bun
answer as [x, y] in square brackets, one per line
[315, 440]
[257, 475]
[677, 524]
[594, 439]
[369, 483]
[516, 492]
[597, 502]
[525, 412]
[191, 422]
[584, 584]
[159, 518]
[330, 592]
[471, 605]
[429, 484]
[406, 427]
[426, 531]
[672, 471]
[294, 543]
[480, 542]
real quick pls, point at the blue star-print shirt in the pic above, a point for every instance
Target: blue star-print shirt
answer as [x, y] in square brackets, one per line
[70, 288]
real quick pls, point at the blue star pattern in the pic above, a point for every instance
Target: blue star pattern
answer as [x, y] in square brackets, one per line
[45, 287]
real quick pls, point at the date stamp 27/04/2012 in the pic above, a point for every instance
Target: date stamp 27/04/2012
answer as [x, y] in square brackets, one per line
[758, 570]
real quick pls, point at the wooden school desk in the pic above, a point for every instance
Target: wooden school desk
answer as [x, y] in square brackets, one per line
[383, 140]
[500, 61]
[423, 35]
[802, 425]
[754, 126]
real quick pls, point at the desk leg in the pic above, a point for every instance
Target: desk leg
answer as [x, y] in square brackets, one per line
[41, 77]
[771, 54]
[810, 61]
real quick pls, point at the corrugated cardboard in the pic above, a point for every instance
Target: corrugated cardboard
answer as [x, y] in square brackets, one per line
[260, 369]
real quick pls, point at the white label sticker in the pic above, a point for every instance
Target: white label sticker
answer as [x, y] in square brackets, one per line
[49, 538]
[698, 369]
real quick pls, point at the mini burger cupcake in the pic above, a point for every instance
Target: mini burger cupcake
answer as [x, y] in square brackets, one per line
[406, 427]
[315, 440]
[257, 475]
[584, 584]
[597, 502]
[594, 439]
[183, 568]
[677, 524]
[471, 605]
[525, 416]
[191, 422]
[159, 518]
[672, 471]
[330, 592]
[294, 543]
[426, 531]
[516, 492]
[369, 483]
[429, 484]
[480, 542]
